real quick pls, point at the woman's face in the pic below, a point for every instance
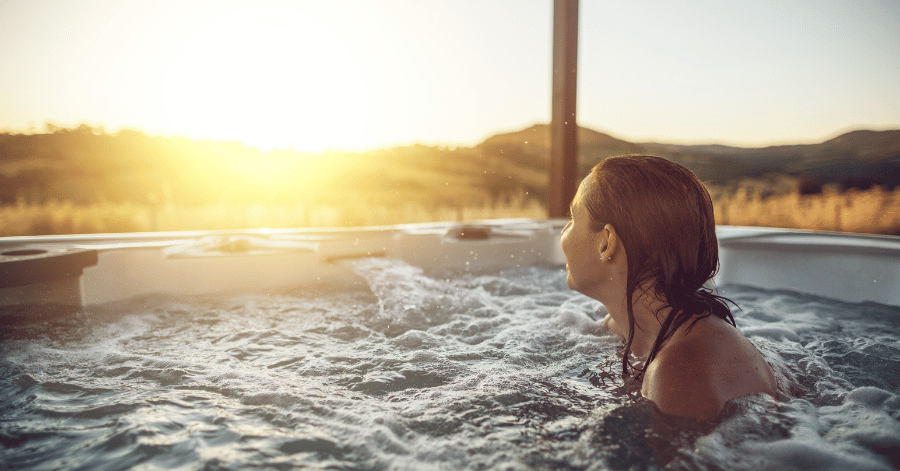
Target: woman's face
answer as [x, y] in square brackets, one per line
[581, 248]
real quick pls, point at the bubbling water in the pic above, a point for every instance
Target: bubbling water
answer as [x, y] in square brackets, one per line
[429, 370]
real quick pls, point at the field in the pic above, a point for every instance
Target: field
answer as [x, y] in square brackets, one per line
[83, 180]
[873, 211]
[68, 218]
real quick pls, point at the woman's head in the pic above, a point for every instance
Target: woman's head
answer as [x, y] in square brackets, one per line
[663, 217]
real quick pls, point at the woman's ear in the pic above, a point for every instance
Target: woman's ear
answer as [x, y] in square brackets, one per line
[609, 243]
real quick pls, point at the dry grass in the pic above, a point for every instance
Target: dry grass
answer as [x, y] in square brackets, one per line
[67, 218]
[873, 211]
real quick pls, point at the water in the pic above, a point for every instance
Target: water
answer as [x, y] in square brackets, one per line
[420, 371]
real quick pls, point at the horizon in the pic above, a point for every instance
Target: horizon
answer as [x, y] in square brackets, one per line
[113, 133]
[448, 75]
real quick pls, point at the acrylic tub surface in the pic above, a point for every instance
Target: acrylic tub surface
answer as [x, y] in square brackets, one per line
[848, 267]
[841, 266]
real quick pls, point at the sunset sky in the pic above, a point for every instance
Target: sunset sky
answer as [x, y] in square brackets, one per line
[344, 74]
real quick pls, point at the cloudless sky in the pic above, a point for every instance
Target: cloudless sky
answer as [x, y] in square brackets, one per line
[370, 73]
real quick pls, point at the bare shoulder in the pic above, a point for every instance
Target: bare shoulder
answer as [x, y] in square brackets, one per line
[681, 382]
[698, 371]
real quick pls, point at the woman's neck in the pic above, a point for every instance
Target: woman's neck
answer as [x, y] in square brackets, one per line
[649, 314]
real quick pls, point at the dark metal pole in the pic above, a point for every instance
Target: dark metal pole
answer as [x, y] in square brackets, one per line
[563, 165]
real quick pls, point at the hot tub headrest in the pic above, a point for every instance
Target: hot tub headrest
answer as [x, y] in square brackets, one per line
[23, 266]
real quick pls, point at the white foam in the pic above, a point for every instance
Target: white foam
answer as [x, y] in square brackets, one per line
[495, 371]
[869, 396]
[772, 332]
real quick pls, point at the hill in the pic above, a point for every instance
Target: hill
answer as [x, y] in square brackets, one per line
[853, 159]
[85, 180]
[85, 166]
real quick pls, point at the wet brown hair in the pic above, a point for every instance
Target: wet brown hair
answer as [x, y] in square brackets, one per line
[664, 218]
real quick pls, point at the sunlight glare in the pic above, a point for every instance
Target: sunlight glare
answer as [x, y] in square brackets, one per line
[270, 78]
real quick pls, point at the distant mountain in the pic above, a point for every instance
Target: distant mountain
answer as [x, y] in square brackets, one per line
[857, 158]
[531, 146]
[538, 136]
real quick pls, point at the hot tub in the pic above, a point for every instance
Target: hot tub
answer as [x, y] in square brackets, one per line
[425, 346]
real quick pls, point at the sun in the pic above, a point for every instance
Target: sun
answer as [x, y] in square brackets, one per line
[270, 78]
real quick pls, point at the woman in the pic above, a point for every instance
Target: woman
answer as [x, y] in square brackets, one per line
[642, 241]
